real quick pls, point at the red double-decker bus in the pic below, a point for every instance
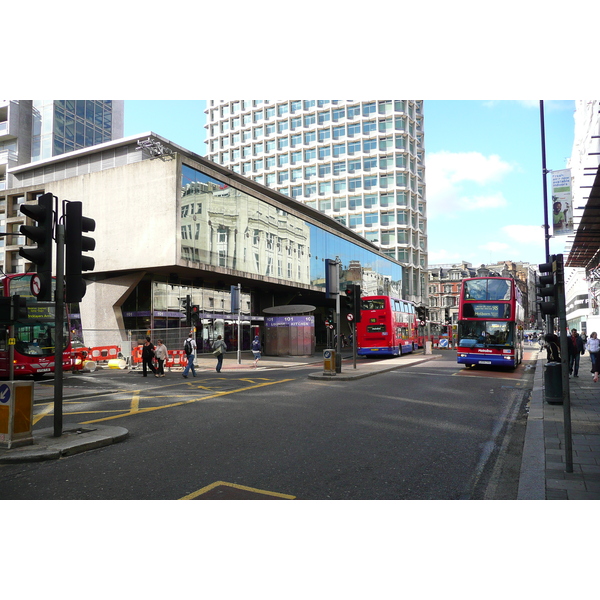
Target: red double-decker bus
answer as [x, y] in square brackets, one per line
[388, 326]
[490, 322]
[34, 337]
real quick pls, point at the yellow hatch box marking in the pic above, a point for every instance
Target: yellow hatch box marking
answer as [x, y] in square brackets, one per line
[234, 485]
[217, 395]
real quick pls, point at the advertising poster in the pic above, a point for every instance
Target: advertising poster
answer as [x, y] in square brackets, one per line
[562, 203]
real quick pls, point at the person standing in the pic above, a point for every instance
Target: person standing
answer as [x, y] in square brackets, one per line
[256, 350]
[189, 347]
[219, 348]
[593, 347]
[147, 357]
[576, 349]
[161, 354]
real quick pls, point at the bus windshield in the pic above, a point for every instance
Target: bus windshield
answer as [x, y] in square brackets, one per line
[373, 304]
[486, 289]
[38, 338]
[485, 334]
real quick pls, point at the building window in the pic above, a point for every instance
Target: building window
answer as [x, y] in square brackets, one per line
[339, 186]
[339, 149]
[355, 202]
[369, 145]
[371, 219]
[339, 167]
[324, 152]
[355, 221]
[354, 183]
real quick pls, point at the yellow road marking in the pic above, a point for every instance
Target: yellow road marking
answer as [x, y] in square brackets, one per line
[44, 412]
[135, 402]
[217, 395]
[235, 485]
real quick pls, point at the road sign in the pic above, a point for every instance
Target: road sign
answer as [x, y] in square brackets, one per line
[35, 285]
[350, 317]
[443, 343]
[4, 393]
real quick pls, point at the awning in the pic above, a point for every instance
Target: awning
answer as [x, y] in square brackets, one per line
[585, 251]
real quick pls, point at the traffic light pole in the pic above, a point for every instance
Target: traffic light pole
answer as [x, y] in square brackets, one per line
[564, 351]
[59, 310]
[338, 329]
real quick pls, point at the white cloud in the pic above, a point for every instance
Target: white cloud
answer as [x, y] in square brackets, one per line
[495, 247]
[442, 257]
[450, 176]
[525, 234]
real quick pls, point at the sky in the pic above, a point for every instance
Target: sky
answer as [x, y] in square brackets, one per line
[483, 165]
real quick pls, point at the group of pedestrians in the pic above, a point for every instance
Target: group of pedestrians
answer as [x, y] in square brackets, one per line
[577, 346]
[150, 353]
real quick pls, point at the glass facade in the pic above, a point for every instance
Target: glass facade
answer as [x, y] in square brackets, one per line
[61, 126]
[226, 227]
[339, 156]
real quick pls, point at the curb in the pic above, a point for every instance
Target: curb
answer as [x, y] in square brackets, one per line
[532, 480]
[72, 441]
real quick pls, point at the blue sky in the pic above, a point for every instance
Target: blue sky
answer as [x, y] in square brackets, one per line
[483, 170]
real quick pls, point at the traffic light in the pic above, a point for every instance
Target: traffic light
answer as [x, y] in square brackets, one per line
[422, 315]
[352, 301]
[18, 308]
[195, 312]
[547, 289]
[186, 305]
[349, 298]
[75, 245]
[41, 234]
[12, 308]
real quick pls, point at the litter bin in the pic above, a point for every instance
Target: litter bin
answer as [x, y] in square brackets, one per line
[329, 361]
[553, 391]
[16, 413]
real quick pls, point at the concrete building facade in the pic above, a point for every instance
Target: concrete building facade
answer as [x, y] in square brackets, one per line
[171, 224]
[34, 130]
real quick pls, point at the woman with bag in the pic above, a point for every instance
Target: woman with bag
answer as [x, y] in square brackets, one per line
[219, 348]
[161, 354]
[593, 347]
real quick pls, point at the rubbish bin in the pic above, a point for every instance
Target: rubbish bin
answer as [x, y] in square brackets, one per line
[16, 413]
[329, 361]
[553, 391]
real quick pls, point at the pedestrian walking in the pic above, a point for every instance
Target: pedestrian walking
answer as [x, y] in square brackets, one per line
[552, 345]
[593, 347]
[189, 347]
[256, 350]
[148, 357]
[576, 349]
[161, 354]
[219, 348]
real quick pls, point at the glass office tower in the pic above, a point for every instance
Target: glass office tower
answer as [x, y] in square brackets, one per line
[361, 162]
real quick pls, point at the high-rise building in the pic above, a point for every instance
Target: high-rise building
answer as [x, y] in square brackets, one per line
[33, 130]
[36, 130]
[361, 162]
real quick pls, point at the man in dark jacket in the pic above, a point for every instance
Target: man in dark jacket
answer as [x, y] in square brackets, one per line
[148, 357]
[576, 349]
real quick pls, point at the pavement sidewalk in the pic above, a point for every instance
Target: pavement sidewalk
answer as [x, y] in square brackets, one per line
[543, 468]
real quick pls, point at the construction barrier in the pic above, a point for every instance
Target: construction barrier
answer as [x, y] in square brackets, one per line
[104, 353]
[176, 358]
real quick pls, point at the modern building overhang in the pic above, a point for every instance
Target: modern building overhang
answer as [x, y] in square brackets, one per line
[585, 251]
[218, 171]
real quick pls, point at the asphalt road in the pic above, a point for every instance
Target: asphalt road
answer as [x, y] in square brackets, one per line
[430, 431]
